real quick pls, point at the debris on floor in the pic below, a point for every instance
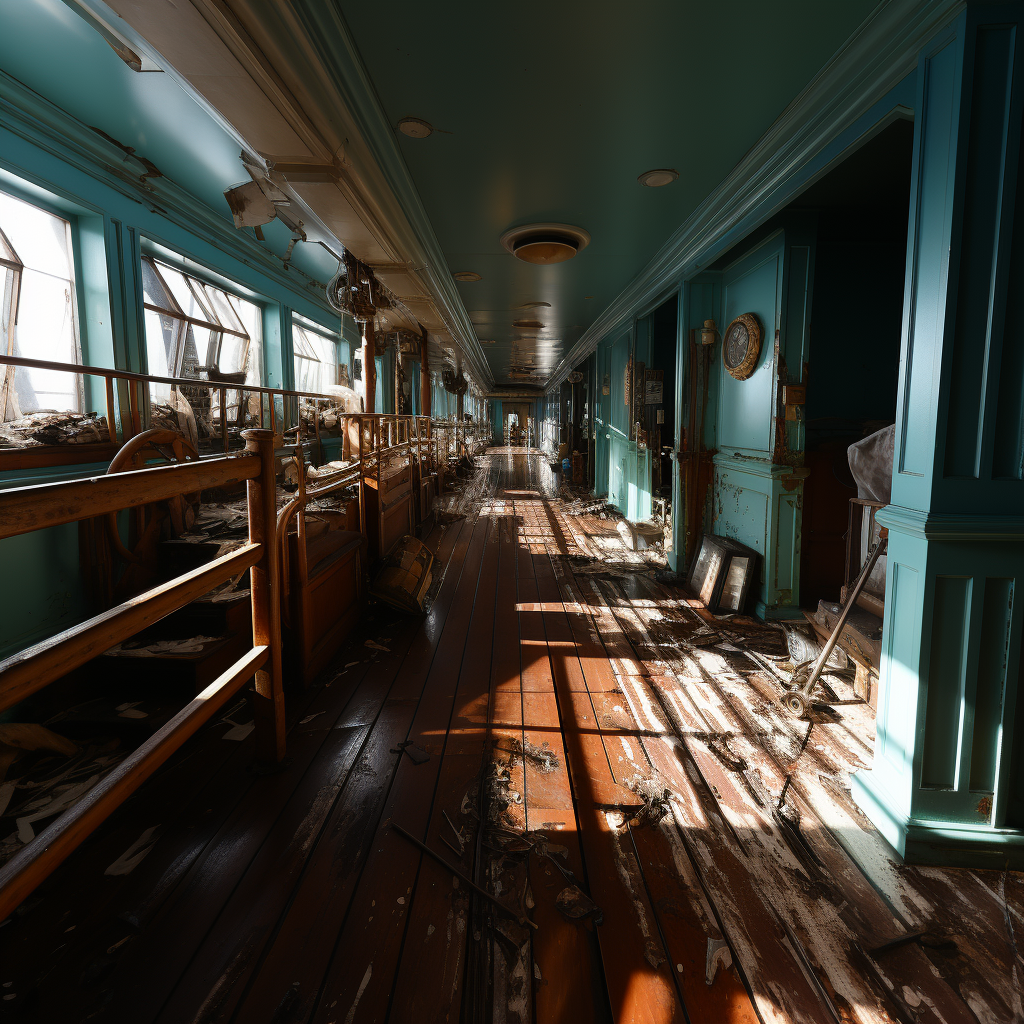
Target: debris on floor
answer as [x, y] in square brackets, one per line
[49, 427]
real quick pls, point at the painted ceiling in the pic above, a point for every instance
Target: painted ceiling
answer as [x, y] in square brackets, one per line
[148, 111]
[549, 111]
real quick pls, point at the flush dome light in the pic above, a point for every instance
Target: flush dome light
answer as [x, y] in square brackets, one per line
[545, 243]
[657, 178]
[415, 127]
[466, 275]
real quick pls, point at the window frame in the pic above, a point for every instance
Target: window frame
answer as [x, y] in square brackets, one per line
[335, 339]
[80, 344]
[206, 304]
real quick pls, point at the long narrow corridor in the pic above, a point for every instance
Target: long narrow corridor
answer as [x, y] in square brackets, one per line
[669, 845]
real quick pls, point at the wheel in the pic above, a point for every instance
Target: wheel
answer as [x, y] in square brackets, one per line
[796, 704]
[181, 509]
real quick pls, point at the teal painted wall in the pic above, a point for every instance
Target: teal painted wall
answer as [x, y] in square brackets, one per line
[755, 498]
[53, 159]
[948, 772]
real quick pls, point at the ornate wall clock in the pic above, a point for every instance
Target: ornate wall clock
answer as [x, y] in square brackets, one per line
[741, 345]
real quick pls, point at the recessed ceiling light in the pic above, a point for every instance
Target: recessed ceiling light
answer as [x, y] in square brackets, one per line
[588, 296]
[532, 305]
[415, 127]
[466, 275]
[545, 243]
[657, 178]
[530, 325]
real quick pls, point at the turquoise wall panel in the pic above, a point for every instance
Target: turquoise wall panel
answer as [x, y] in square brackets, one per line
[949, 767]
[746, 407]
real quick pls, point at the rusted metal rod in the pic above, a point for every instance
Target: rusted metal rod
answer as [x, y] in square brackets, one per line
[521, 918]
[798, 700]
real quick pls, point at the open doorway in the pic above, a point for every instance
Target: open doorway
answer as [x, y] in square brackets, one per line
[861, 210]
[517, 430]
[659, 397]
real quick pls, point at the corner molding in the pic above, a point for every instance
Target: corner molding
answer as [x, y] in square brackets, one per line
[49, 128]
[882, 52]
[950, 526]
[313, 37]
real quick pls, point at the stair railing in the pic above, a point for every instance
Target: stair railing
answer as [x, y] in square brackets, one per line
[26, 509]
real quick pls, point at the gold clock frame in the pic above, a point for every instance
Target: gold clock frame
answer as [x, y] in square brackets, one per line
[756, 334]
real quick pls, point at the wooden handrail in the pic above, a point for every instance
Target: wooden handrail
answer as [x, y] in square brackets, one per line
[35, 667]
[31, 508]
[24, 509]
[30, 865]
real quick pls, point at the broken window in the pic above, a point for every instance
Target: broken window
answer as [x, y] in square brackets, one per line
[197, 330]
[37, 316]
[316, 357]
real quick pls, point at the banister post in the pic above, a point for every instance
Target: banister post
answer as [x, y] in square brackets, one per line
[268, 703]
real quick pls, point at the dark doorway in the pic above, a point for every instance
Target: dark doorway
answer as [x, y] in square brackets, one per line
[661, 414]
[862, 211]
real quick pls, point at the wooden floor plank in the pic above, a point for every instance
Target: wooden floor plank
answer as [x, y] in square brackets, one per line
[430, 972]
[689, 926]
[640, 985]
[359, 980]
[566, 951]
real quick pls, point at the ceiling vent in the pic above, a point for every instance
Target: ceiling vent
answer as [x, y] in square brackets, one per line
[545, 243]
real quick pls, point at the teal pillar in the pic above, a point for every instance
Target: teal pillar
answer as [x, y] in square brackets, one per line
[947, 782]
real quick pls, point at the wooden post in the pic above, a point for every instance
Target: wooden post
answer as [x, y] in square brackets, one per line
[111, 425]
[268, 703]
[425, 375]
[224, 418]
[369, 369]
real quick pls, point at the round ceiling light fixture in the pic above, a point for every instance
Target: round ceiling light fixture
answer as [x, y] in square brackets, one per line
[532, 305]
[415, 127]
[658, 177]
[543, 244]
[466, 275]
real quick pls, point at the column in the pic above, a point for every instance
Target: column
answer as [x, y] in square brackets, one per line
[946, 782]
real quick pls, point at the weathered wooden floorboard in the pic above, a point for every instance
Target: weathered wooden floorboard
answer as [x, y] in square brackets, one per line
[688, 924]
[832, 909]
[641, 986]
[428, 982]
[358, 982]
[782, 989]
[500, 986]
[566, 951]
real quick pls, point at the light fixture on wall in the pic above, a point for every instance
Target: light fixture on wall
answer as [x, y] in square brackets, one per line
[658, 177]
[709, 333]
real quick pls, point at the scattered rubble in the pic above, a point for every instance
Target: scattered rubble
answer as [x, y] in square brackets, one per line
[49, 427]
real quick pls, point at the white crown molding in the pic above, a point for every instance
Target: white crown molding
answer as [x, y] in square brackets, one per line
[317, 66]
[56, 132]
[882, 52]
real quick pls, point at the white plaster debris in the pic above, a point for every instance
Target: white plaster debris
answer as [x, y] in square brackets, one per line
[351, 1015]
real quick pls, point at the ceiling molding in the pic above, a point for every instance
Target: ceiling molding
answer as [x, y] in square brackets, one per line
[52, 130]
[315, 58]
[882, 52]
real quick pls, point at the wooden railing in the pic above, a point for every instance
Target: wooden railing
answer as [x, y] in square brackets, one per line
[25, 509]
[296, 509]
[125, 395]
